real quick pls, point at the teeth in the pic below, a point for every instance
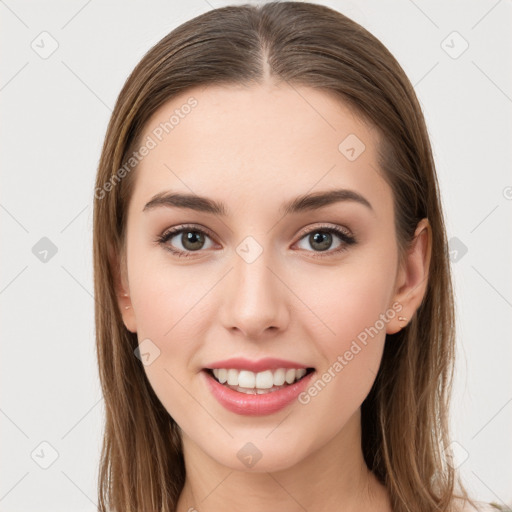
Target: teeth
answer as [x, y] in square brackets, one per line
[264, 380]
[259, 381]
[233, 377]
[279, 376]
[290, 376]
[222, 375]
[246, 379]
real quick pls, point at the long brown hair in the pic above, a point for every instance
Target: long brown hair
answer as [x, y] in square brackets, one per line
[405, 416]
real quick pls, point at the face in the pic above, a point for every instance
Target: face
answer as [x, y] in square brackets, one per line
[311, 287]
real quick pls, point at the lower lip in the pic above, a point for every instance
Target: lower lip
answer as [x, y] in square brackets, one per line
[256, 405]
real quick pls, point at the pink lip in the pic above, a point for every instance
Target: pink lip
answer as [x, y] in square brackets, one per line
[268, 363]
[256, 405]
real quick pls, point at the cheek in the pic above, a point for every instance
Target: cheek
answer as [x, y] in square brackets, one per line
[169, 312]
[170, 304]
[350, 301]
[165, 313]
[165, 296]
[352, 308]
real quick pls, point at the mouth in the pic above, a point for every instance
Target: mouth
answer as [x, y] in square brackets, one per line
[258, 383]
[258, 393]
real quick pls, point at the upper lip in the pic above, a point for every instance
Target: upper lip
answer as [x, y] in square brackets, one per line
[267, 363]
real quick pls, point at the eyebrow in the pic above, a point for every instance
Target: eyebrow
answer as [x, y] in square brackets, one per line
[306, 202]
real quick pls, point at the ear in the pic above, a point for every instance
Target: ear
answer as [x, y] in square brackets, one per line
[120, 275]
[412, 277]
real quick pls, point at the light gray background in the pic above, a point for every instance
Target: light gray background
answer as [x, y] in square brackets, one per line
[54, 115]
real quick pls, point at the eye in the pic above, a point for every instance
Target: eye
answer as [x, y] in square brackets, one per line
[321, 238]
[191, 238]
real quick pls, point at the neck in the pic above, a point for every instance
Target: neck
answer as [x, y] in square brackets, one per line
[321, 482]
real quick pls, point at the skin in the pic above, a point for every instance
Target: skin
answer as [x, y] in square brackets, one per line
[254, 148]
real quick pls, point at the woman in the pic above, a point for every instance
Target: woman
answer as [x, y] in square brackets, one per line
[274, 314]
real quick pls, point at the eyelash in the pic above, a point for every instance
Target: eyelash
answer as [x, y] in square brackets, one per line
[347, 240]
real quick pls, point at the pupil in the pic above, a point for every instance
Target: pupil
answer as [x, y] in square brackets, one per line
[192, 237]
[196, 240]
[323, 239]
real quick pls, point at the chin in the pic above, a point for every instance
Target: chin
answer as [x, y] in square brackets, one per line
[257, 455]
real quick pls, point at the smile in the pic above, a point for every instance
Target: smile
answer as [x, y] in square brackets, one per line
[268, 381]
[257, 394]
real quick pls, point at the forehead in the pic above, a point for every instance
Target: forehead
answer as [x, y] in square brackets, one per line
[257, 142]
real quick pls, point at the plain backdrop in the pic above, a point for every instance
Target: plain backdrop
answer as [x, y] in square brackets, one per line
[63, 63]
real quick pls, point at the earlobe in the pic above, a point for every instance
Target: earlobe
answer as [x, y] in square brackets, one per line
[125, 306]
[119, 272]
[412, 279]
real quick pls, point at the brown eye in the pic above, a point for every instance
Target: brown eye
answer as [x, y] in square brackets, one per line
[184, 240]
[192, 240]
[321, 240]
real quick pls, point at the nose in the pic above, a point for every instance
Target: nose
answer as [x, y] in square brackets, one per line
[255, 298]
